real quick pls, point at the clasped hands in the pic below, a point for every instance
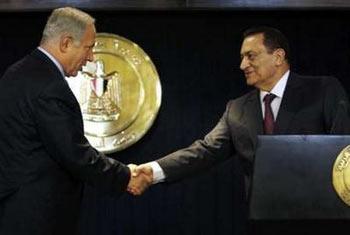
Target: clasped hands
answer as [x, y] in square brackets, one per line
[141, 178]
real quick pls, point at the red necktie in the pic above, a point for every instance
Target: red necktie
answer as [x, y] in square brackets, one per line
[269, 119]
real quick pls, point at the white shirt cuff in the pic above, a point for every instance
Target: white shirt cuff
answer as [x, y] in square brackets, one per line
[158, 173]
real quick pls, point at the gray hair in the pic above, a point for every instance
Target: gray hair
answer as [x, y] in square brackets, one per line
[66, 20]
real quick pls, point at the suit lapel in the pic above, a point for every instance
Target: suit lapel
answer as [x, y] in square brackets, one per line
[252, 113]
[292, 99]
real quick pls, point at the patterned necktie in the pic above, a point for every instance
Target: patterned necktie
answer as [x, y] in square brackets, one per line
[269, 119]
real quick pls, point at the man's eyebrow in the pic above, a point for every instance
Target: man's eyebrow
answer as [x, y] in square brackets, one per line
[246, 52]
[91, 45]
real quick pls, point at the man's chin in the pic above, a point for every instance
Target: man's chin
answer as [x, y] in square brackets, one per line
[249, 81]
[73, 74]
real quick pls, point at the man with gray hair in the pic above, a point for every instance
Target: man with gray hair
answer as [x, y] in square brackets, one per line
[44, 157]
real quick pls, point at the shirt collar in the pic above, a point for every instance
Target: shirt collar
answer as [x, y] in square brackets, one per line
[58, 65]
[279, 88]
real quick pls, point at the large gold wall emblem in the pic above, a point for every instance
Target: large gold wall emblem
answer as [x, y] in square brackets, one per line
[341, 175]
[119, 93]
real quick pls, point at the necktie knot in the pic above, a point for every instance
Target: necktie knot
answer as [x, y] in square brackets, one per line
[269, 98]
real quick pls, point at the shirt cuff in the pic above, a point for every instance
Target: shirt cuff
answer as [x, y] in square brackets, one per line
[158, 173]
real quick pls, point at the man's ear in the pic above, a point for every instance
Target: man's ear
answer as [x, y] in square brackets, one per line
[280, 56]
[66, 42]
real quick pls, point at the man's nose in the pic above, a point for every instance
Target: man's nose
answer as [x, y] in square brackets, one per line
[244, 63]
[90, 56]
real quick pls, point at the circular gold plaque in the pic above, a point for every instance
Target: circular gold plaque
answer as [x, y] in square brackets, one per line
[341, 175]
[119, 93]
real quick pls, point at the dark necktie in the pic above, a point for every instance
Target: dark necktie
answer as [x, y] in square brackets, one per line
[269, 119]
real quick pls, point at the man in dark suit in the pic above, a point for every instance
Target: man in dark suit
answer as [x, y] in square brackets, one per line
[44, 156]
[282, 103]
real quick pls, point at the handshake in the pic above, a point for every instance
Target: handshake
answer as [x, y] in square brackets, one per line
[141, 178]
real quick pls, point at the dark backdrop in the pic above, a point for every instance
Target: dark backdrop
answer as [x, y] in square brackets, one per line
[197, 56]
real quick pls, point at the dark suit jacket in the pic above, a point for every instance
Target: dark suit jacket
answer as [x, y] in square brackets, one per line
[44, 156]
[310, 105]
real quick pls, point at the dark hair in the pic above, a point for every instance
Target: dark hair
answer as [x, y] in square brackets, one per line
[273, 38]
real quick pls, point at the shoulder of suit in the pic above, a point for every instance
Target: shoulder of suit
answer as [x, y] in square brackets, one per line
[312, 83]
[312, 79]
[238, 103]
[242, 99]
[34, 74]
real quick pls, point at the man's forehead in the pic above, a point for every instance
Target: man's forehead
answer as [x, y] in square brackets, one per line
[255, 39]
[252, 43]
[255, 36]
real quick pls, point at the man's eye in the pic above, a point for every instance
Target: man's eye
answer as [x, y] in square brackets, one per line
[251, 56]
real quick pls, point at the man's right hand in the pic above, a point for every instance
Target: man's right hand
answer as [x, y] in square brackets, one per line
[141, 178]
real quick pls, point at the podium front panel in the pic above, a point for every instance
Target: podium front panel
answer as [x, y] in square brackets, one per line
[292, 178]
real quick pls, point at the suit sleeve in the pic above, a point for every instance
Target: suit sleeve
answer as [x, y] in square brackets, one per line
[216, 146]
[336, 108]
[60, 127]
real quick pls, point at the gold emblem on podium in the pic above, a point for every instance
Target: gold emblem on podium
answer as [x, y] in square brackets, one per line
[119, 93]
[341, 175]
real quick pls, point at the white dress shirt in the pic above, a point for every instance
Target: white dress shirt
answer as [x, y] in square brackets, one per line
[278, 90]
